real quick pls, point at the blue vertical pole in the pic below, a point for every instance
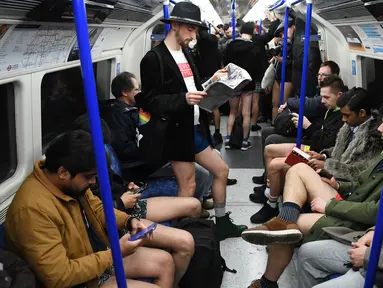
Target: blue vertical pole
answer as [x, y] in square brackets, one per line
[284, 57]
[260, 27]
[97, 139]
[375, 249]
[165, 7]
[233, 18]
[304, 70]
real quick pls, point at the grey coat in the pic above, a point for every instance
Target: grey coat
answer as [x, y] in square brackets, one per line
[347, 236]
[347, 161]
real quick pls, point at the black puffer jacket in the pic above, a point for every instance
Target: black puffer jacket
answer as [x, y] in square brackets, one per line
[243, 52]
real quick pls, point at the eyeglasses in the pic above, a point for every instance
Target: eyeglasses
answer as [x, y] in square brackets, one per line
[322, 75]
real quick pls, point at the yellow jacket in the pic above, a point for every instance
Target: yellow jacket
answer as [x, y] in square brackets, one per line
[45, 227]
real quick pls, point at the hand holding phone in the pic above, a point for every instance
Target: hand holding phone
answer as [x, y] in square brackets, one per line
[141, 189]
[144, 233]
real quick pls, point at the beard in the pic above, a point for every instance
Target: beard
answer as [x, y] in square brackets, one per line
[76, 193]
[184, 43]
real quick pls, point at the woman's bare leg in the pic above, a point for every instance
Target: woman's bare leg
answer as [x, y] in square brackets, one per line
[234, 103]
[246, 112]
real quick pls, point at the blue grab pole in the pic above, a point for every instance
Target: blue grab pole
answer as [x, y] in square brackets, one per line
[97, 138]
[233, 19]
[304, 70]
[375, 249]
[278, 4]
[284, 57]
[260, 27]
[165, 7]
[173, 2]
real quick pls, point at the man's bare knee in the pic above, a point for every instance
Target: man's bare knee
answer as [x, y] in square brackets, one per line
[194, 207]
[223, 172]
[185, 244]
[165, 264]
[187, 188]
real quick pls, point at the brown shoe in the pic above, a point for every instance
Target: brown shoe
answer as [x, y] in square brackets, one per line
[208, 205]
[255, 284]
[274, 231]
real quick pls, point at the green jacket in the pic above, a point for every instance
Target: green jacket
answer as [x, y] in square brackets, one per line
[359, 211]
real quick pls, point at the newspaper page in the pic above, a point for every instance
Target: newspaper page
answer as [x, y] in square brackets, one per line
[223, 86]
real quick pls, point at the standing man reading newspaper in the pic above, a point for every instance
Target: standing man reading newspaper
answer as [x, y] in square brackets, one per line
[171, 91]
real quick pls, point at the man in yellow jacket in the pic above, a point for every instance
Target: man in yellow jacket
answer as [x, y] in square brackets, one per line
[58, 226]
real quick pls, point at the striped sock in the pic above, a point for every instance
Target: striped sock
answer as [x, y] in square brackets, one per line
[245, 140]
[273, 201]
[267, 190]
[290, 212]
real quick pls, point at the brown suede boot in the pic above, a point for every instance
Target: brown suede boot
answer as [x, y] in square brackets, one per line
[274, 231]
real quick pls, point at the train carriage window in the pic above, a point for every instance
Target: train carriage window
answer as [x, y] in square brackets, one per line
[8, 151]
[158, 34]
[62, 101]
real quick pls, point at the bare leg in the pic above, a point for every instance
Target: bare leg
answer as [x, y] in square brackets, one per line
[180, 242]
[217, 119]
[246, 107]
[275, 99]
[255, 108]
[306, 221]
[276, 151]
[275, 175]
[161, 209]
[279, 257]
[185, 175]
[147, 263]
[304, 184]
[210, 160]
[234, 103]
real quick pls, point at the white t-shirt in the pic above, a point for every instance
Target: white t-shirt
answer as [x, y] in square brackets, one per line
[187, 74]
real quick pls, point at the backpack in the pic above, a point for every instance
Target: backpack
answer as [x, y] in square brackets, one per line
[236, 136]
[207, 266]
[283, 125]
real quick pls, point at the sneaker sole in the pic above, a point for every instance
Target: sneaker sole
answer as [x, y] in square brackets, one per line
[245, 149]
[264, 237]
[227, 146]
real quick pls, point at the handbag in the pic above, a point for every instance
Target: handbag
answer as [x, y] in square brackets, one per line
[269, 77]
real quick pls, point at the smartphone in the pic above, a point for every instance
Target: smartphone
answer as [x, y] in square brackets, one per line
[323, 173]
[144, 232]
[141, 189]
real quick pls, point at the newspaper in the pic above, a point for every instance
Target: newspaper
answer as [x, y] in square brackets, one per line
[223, 86]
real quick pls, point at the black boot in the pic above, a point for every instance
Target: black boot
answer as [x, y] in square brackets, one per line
[264, 215]
[260, 180]
[226, 228]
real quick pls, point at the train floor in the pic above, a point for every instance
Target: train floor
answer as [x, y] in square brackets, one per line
[249, 260]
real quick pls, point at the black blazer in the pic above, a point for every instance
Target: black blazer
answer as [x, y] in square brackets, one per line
[170, 99]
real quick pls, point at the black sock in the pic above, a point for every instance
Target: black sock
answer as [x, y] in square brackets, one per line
[290, 212]
[217, 131]
[266, 283]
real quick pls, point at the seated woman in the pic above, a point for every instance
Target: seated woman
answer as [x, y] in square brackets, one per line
[156, 209]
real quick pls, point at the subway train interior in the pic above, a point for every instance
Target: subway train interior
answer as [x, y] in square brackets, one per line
[42, 92]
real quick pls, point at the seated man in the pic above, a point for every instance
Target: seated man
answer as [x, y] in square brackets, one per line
[357, 145]
[357, 211]
[314, 111]
[58, 226]
[313, 268]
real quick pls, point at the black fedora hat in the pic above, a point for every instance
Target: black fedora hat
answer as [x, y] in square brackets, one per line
[187, 13]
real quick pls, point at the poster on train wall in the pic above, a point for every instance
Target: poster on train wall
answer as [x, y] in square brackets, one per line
[371, 36]
[352, 38]
[94, 33]
[33, 46]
